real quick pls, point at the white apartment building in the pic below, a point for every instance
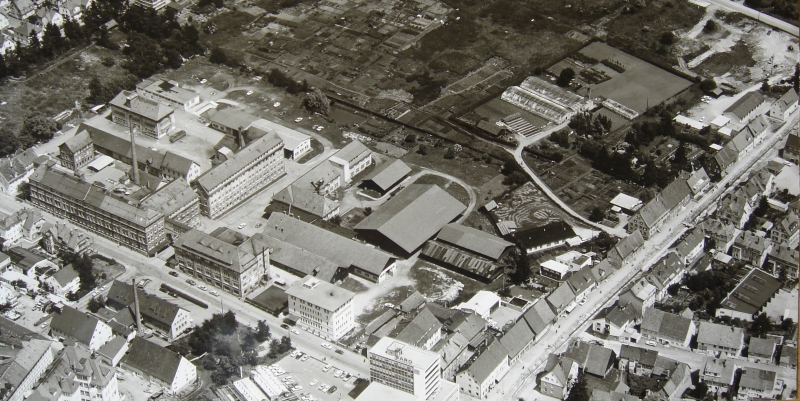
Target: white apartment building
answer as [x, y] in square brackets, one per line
[323, 308]
[77, 376]
[405, 367]
[241, 176]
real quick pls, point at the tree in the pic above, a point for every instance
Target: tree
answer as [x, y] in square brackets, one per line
[450, 153]
[765, 86]
[597, 215]
[410, 138]
[8, 141]
[83, 266]
[708, 85]
[19, 284]
[579, 390]
[286, 344]
[710, 26]
[73, 32]
[787, 324]
[565, 77]
[423, 150]
[522, 268]
[316, 102]
[667, 38]
[262, 331]
[367, 211]
[39, 127]
[760, 325]
[218, 56]
[680, 157]
[561, 137]
[95, 305]
[144, 55]
[52, 41]
[673, 289]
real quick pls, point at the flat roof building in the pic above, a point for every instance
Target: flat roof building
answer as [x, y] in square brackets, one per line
[323, 308]
[164, 91]
[750, 296]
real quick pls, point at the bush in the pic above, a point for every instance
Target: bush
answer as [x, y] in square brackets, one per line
[597, 215]
[710, 26]
[317, 102]
[218, 56]
[668, 38]
[565, 77]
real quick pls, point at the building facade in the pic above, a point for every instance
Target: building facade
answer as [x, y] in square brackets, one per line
[79, 375]
[88, 206]
[236, 179]
[76, 152]
[225, 259]
[353, 159]
[404, 367]
[323, 308]
[144, 116]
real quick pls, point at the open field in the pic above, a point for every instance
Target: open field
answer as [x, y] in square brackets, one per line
[529, 207]
[454, 189]
[497, 109]
[640, 85]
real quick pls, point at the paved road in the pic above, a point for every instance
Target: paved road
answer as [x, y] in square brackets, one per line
[520, 381]
[739, 7]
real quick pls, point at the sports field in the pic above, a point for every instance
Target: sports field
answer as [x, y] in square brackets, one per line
[641, 82]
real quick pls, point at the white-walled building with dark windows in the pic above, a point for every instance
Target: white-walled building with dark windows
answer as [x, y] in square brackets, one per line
[162, 91]
[353, 159]
[405, 367]
[241, 176]
[323, 308]
[144, 116]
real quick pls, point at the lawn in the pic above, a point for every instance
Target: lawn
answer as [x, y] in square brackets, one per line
[463, 166]
[57, 88]
[640, 85]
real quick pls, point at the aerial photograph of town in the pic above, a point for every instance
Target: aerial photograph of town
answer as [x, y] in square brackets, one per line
[399, 200]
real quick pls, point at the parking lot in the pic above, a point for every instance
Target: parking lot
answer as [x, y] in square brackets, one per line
[305, 370]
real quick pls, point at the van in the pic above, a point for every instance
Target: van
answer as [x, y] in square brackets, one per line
[280, 282]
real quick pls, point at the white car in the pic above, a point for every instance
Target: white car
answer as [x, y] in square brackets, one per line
[202, 287]
[276, 104]
[202, 81]
[651, 343]
[304, 358]
[241, 226]
[320, 128]
[103, 288]
[326, 346]
[313, 383]
[214, 293]
[298, 119]
[249, 93]
[295, 331]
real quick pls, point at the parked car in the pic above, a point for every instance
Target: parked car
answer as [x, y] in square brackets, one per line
[173, 273]
[326, 346]
[190, 281]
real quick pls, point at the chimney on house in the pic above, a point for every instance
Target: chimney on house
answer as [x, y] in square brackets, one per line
[241, 138]
[136, 307]
[134, 162]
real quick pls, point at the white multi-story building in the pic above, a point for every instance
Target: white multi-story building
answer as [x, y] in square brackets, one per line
[77, 376]
[352, 159]
[323, 308]
[241, 176]
[24, 364]
[405, 367]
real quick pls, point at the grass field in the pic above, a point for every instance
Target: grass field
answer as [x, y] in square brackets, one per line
[496, 109]
[454, 189]
[641, 84]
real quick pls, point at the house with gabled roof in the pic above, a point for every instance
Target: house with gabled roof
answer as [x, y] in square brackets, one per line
[784, 259]
[636, 360]
[159, 365]
[640, 295]
[423, 331]
[678, 381]
[481, 376]
[561, 298]
[786, 231]
[717, 373]
[582, 282]
[698, 180]
[751, 248]
[517, 340]
[559, 375]
[666, 204]
[352, 159]
[413, 216]
[602, 395]
[722, 233]
[762, 350]
[161, 314]
[59, 237]
[143, 115]
[615, 321]
[76, 152]
[690, 248]
[386, 176]
[593, 359]
[78, 374]
[80, 327]
[625, 247]
[788, 357]
[539, 317]
[719, 340]
[454, 352]
[548, 236]
[757, 128]
[667, 328]
[64, 281]
[759, 383]
[722, 162]
[745, 108]
[784, 106]
[791, 149]
[113, 351]
[667, 271]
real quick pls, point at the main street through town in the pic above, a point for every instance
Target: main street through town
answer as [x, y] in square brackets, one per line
[520, 381]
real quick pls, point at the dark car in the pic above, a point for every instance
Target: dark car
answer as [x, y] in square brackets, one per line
[340, 352]
[173, 273]
[285, 326]
[332, 390]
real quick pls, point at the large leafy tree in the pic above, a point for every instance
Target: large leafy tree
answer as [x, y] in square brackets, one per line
[39, 127]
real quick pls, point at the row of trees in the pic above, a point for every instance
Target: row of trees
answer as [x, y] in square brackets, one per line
[83, 266]
[35, 128]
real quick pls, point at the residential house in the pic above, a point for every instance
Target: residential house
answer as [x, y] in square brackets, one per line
[791, 150]
[64, 282]
[734, 209]
[113, 351]
[615, 321]
[423, 331]
[562, 298]
[637, 361]
[517, 340]
[484, 372]
[697, 180]
[784, 106]
[717, 374]
[751, 296]
[593, 359]
[603, 270]
[163, 315]
[667, 328]
[545, 237]
[719, 341]
[757, 129]
[76, 152]
[762, 350]
[788, 357]
[723, 160]
[720, 233]
[786, 231]
[663, 207]
[80, 327]
[625, 247]
[539, 317]
[142, 115]
[60, 238]
[751, 248]
[454, 352]
[638, 296]
[582, 283]
[78, 375]
[15, 169]
[24, 224]
[602, 395]
[679, 380]
[783, 260]
[690, 248]
[744, 109]
[559, 374]
[758, 383]
[669, 270]
[158, 365]
[352, 159]
[743, 142]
